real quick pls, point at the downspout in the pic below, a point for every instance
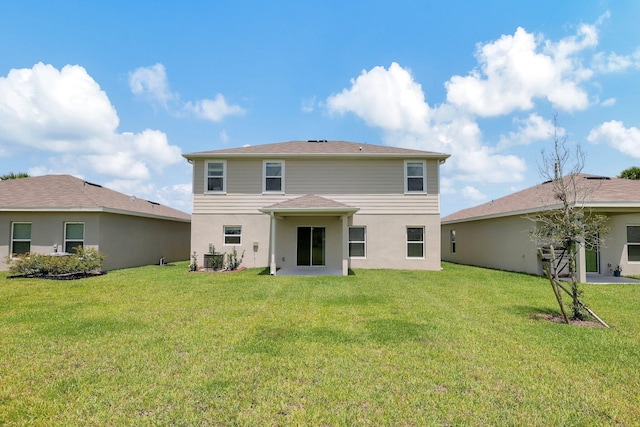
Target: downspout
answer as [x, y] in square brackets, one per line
[345, 245]
[272, 263]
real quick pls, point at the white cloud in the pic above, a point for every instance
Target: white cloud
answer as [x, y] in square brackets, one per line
[308, 105]
[152, 83]
[224, 136]
[608, 102]
[55, 110]
[121, 164]
[153, 146]
[472, 193]
[533, 128]
[614, 63]
[517, 69]
[390, 99]
[66, 114]
[213, 109]
[614, 134]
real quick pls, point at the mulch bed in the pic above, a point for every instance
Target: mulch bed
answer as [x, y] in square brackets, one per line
[66, 276]
[557, 318]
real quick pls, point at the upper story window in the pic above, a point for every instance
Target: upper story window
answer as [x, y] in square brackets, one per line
[633, 242]
[73, 236]
[216, 176]
[415, 176]
[273, 172]
[20, 238]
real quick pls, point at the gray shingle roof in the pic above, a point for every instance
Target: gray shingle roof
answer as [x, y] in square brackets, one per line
[310, 203]
[68, 193]
[317, 148]
[602, 193]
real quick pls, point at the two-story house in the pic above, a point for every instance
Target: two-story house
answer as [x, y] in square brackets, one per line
[318, 207]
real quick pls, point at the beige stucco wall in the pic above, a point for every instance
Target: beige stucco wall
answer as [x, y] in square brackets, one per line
[131, 241]
[385, 241]
[47, 229]
[614, 251]
[128, 241]
[502, 243]
[386, 244]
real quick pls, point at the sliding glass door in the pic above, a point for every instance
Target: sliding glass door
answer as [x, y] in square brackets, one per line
[311, 246]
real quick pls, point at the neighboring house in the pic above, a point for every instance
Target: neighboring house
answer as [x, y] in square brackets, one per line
[319, 207]
[52, 213]
[497, 234]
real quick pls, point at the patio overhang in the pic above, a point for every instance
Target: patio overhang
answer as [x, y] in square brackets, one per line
[310, 205]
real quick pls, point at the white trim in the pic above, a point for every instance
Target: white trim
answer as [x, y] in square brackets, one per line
[224, 176]
[424, 177]
[452, 241]
[224, 235]
[364, 242]
[19, 240]
[264, 177]
[64, 237]
[407, 241]
[626, 242]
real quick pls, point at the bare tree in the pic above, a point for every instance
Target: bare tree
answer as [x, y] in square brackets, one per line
[566, 224]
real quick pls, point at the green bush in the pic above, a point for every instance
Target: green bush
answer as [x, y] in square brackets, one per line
[233, 262]
[84, 262]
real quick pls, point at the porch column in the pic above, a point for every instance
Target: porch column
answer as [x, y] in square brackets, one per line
[581, 263]
[345, 245]
[272, 250]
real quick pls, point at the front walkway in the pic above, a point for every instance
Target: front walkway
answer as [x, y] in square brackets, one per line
[610, 280]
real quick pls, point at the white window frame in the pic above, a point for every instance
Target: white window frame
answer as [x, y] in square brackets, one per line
[631, 243]
[413, 242]
[65, 240]
[452, 239]
[264, 177]
[224, 177]
[13, 239]
[225, 235]
[363, 242]
[407, 176]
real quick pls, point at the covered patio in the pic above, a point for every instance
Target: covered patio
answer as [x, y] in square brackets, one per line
[313, 231]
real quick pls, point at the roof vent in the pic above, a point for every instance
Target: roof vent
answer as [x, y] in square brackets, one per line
[91, 183]
[317, 140]
[597, 177]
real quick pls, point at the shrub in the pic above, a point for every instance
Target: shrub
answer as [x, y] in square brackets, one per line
[233, 262]
[84, 262]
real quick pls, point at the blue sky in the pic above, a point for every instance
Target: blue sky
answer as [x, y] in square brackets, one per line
[114, 92]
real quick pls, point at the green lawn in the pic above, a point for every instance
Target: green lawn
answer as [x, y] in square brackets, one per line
[161, 346]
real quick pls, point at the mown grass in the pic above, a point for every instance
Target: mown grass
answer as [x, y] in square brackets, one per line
[161, 346]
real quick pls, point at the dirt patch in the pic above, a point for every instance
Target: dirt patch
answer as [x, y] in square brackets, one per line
[557, 318]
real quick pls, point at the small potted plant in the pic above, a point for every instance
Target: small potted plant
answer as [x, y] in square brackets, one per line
[617, 271]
